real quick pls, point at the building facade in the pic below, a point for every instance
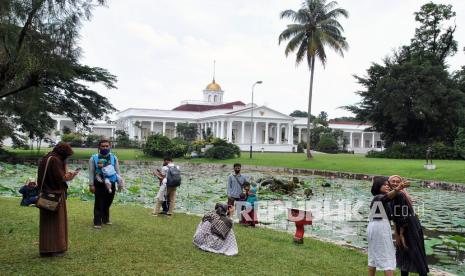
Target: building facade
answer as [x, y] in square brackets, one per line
[242, 124]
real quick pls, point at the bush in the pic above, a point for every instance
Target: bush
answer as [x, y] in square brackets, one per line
[222, 149]
[92, 140]
[123, 141]
[160, 146]
[220, 152]
[74, 139]
[459, 143]
[301, 147]
[401, 151]
[327, 144]
[198, 145]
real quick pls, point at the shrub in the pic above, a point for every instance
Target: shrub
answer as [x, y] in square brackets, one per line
[159, 146]
[414, 151]
[74, 139]
[92, 140]
[222, 149]
[220, 152]
[198, 145]
[459, 143]
[301, 147]
[123, 141]
[327, 144]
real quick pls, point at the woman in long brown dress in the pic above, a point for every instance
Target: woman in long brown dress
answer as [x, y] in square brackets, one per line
[53, 233]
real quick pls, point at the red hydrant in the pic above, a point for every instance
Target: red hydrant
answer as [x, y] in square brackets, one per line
[301, 218]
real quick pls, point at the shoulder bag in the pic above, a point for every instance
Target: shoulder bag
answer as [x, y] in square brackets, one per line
[47, 200]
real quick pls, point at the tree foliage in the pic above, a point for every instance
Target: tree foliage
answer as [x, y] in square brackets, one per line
[299, 114]
[187, 131]
[411, 97]
[40, 73]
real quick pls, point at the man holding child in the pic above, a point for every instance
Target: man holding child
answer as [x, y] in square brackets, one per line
[103, 195]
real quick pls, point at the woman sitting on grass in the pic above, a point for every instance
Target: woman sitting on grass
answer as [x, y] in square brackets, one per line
[215, 234]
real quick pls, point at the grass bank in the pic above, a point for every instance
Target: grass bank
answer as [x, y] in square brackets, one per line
[138, 243]
[447, 170]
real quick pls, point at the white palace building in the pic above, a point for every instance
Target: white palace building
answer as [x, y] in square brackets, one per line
[270, 131]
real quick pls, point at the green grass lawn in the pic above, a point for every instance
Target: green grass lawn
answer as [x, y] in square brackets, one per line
[138, 243]
[447, 170]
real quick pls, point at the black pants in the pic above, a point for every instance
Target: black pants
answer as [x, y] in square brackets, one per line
[405, 273]
[102, 203]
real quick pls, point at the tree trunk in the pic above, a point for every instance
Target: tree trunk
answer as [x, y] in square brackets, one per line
[312, 70]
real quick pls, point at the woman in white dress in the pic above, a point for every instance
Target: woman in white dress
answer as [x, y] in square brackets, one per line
[215, 234]
[381, 251]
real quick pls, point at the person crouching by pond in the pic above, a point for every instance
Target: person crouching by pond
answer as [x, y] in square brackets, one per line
[103, 196]
[235, 182]
[381, 251]
[53, 227]
[30, 193]
[215, 234]
[410, 243]
[248, 213]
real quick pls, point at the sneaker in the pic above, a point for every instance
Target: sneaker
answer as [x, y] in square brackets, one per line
[97, 226]
[154, 215]
[108, 223]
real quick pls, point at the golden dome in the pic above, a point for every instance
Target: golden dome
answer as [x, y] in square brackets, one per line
[213, 86]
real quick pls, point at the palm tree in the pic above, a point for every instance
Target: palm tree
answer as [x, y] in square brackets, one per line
[315, 27]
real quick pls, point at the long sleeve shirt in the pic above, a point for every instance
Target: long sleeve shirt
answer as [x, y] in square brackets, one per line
[92, 169]
[234, 187]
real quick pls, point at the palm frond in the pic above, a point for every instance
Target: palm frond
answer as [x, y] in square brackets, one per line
[294, 43]
[291, 31]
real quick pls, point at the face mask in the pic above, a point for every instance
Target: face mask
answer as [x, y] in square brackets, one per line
[104, 151]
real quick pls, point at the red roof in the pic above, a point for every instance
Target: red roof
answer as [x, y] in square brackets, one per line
[203, 107]
[332, 121]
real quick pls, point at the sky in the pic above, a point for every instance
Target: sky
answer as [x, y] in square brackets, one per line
[162, 51]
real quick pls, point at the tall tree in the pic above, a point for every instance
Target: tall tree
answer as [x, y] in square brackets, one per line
[315, 27]
[432, 39]
[39, 64]
[411, 97]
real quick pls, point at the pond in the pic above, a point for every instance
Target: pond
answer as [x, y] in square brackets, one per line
[340, 211]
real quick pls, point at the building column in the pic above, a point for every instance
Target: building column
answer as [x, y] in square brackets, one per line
[242, 132]
[218, 129]
[373, 140]
[278, 134]
[164, 129]
[363, 141]
[112, 133]
[290, 134]
[299, 139]
[175, 134]
[222, 130]
[58, 125]
[266, 133]
[151, 126]
[255, 132]
[230, 131]
[351, 143]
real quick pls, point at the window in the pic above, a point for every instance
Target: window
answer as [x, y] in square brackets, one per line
[215, 98]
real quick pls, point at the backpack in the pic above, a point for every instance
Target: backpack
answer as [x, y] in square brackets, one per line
[173, 177]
